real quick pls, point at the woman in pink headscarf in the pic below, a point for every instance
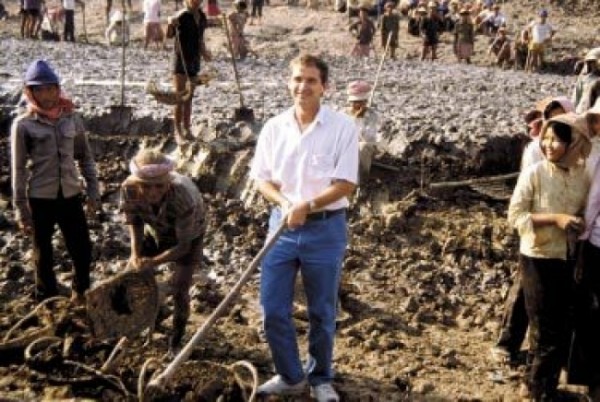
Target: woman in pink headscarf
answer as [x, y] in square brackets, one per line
[546, 108]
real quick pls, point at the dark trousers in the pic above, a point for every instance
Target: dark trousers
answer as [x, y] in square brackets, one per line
[257, 7]
[548, 287]
[69, 32]
[584, 361]
[69, 215]
[514, 320]
[180, 281]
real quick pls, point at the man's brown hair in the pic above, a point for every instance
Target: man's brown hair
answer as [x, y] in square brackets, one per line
[312, 61]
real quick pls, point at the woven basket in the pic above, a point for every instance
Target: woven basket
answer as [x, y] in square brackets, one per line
[173, 98]
[124, 305]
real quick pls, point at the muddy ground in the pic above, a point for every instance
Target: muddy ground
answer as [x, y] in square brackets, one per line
[426, 271]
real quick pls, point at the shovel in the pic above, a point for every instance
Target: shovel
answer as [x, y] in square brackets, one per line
[84, 26]
[242, 113]
[123, 111]
[385, 52]
[185, 353]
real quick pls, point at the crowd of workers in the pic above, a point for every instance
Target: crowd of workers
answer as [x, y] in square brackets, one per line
[308, 177]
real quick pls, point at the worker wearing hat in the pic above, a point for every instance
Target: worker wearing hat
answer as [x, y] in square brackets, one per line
[117, 32]
[367, 121]
[464, 36]
[50, 151]
[165, 215]
[500, 48]
[587, 87]
[541, 37]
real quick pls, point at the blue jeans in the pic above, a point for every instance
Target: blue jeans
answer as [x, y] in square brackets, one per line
[317, 250]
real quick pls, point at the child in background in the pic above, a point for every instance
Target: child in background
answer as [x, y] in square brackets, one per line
[237, 23]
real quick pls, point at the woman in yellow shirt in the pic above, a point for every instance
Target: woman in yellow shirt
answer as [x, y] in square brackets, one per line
[546, 209]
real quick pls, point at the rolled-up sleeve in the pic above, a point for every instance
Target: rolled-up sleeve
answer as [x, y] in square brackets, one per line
[346, 165]
[261, 167]
[19, 158]
[87, 165]
[521, 203]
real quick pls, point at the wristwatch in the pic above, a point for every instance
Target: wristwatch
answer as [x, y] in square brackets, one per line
[312, 205]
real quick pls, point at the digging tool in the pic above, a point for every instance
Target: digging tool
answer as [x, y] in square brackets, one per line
[479, 180]
[385, 52]
[242, 113]
[185, 353]
[123, 111]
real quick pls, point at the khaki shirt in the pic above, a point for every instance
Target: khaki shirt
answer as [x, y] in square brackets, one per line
[464, 32]
[545, 188]
[52, 149]
[180, 216]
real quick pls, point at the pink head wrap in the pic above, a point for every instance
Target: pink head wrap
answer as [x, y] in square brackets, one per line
[358, 91]
[155, 172]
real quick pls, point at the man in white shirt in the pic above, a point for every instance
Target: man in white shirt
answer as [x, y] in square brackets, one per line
[541, 36]
[306, 163]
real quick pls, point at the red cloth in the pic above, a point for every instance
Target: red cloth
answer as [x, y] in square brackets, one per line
[64, 105]
[212, 9]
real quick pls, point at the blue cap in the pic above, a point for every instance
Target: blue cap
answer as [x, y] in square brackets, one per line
[543, 12]
[40, 73]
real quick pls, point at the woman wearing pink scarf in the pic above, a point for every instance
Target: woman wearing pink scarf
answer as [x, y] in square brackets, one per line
[50, 152]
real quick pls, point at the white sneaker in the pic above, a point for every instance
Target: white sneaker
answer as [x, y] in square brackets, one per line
[276, 386]
[324, 393]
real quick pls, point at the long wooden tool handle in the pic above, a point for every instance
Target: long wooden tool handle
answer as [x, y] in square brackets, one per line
[385, 52]
[123, 28]
[233, 294]
[235, 70]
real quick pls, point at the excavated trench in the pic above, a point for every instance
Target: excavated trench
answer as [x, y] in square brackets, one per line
[394, 224]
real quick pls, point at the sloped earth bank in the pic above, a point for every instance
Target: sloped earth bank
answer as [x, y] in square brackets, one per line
[426, 272]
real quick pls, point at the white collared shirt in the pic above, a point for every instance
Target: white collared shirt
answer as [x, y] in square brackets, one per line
[69, 4]
[305, 164]
[151, 11]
